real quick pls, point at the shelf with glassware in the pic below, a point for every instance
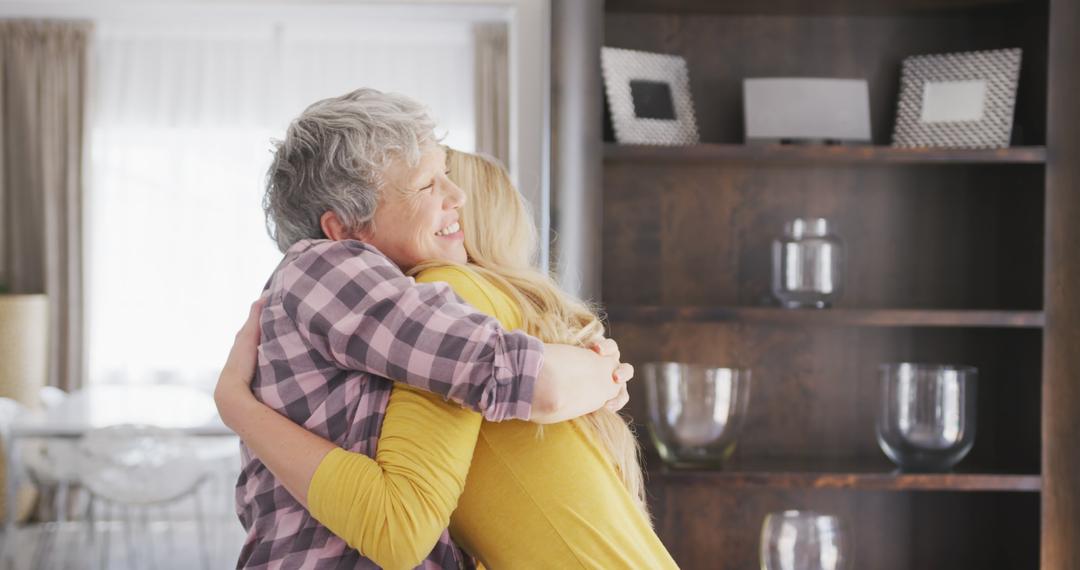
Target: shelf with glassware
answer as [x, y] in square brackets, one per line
[700, 243]
[820, 155]
[925, 419]
[926, 414]
[947, 260]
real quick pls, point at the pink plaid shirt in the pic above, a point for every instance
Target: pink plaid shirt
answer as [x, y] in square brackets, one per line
[340, 321]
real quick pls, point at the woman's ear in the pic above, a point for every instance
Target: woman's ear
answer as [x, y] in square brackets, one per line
[332, 227]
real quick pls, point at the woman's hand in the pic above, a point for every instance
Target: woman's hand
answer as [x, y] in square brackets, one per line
[619, 402]
[603, 346]
[234, 384]
[290, 452]
[576, 381]
[608, 347]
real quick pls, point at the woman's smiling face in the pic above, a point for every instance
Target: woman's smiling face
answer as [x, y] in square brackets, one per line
[417, 218]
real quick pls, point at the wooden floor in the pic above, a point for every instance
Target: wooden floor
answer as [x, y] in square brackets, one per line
[138, 539]
[174, 546]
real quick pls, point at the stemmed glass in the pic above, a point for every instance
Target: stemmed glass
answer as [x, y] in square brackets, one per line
[804, 540]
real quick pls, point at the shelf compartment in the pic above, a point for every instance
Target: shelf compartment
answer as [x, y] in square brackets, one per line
[832, 317]
[816, 154]
[891, 529]
[866, 475]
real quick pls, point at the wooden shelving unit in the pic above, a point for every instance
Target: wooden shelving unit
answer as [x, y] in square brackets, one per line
[869, 155]
[963, 256]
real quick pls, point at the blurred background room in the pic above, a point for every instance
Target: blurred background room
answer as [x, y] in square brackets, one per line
[813, 226]
[136, 139]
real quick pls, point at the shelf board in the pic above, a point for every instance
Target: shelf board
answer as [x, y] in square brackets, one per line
[817, 154]
[872, 476]
[831, 317]
[798, 7]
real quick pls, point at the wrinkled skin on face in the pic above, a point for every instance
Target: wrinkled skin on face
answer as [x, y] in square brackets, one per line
[418, 214]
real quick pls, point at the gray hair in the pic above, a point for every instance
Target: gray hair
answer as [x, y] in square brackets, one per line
[333, 158]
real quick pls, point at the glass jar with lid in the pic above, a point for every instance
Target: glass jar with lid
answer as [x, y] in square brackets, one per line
[808, 264]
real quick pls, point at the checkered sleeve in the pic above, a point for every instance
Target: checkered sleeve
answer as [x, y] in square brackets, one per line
[358, 310]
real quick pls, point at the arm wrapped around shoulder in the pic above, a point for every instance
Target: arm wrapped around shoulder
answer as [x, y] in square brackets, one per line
[357, 309]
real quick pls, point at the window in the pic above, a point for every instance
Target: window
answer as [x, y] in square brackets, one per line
[184, 106]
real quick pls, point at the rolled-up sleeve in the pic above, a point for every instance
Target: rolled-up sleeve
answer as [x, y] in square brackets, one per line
[359, 311]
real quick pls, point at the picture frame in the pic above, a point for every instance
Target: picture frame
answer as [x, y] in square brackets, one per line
[958, 100]
[648, 95]
[806, 110]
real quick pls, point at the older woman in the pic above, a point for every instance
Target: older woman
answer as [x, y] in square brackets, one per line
[357, 192]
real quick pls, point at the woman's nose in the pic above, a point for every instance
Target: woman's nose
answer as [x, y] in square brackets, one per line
[455, 196]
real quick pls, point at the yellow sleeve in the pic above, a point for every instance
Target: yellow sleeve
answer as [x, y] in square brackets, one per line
[473, 290]
[394, 507]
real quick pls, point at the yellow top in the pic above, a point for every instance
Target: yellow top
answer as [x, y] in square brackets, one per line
[528, 501]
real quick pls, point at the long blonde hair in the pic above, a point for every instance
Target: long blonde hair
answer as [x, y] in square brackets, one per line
[501, 240]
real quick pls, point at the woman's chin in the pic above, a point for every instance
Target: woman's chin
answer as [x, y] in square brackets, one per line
[461, 257]
[458, 255]
[453, 248]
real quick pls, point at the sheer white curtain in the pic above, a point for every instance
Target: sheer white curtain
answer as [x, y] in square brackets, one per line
[180, 124]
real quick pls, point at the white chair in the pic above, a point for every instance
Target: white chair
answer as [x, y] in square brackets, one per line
[138, 468]
[221, 455]
[53, 466]
[10, 410]
[51, 397]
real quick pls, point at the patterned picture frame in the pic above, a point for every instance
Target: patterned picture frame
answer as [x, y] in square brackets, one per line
[648, 95]
[958, 100]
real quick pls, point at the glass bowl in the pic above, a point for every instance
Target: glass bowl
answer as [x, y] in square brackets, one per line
[926, 420]
[695, 411]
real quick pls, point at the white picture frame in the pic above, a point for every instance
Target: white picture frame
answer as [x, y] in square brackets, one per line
[648, 95]
[958, 100]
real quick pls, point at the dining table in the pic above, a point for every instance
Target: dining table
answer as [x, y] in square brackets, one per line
[181, 409]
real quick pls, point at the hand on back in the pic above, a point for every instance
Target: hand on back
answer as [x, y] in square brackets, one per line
[234, 383]
[577, 381]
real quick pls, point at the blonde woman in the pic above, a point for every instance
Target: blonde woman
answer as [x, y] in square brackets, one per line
[568, 495]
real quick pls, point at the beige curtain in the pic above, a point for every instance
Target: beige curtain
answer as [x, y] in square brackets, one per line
[43, 74]
[492, 90]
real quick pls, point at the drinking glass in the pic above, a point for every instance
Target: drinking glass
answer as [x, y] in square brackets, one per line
[927, 417]
[804, 540]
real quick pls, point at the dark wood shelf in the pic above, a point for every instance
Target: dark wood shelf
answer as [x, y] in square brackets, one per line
[807, 154]
[798, 7]
[870, 475]
[832, 317]
[961, 256]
